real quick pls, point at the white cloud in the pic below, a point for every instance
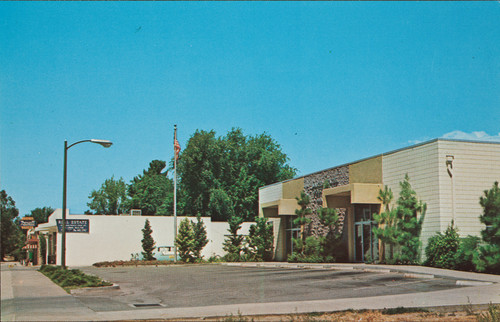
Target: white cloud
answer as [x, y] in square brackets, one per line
[474, 136]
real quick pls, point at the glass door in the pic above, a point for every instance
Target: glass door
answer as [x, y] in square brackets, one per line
[366, 244]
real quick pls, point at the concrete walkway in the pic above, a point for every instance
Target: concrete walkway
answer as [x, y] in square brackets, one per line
[27, 295]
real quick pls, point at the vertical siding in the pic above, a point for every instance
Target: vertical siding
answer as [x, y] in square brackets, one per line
[476, 167]
[421, 164]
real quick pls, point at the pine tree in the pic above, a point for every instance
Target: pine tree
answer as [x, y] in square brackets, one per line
[148, 243]
[386, 229]
[329, 217]
[260, 240]
[488, 259]
[200, 237]
[185, 241]
[233, 245]
[410, 215]
[302, 214]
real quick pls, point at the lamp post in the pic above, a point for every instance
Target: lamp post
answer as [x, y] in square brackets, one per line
[104, 143]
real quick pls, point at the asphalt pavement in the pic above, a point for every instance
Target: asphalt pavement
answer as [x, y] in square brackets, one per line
[247, 288]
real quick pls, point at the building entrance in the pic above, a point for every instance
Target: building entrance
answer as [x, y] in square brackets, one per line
[366, 244]
[292, 231]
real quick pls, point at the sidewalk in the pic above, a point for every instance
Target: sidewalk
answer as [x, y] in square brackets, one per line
[28, 295]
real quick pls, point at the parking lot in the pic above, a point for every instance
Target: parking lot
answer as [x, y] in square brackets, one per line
[207, 285]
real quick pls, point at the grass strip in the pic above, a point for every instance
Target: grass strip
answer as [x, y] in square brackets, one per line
[70, 279]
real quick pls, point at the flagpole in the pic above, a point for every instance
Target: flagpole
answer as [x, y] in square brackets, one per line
[175, 194]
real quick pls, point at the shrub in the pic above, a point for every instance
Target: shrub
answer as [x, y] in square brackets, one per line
[467, 250]
[441, 249]
[71, 278]
[313, 251]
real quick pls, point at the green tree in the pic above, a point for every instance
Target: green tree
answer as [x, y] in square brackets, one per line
[41, 215]
[220, 207]
[221, 176]
[303, 213]
[11, 235]
[198, 168]
[386, 229]
[329, 218]
[410, 214]
[152, 192]
[233, 245]
[148, 243]
[260, 240]
[186, 241]
[110, 199]
[200, 237]
[489, 253]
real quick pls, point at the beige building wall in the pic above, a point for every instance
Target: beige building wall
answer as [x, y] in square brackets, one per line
[367, 171]
[422, 165]
[476, 166]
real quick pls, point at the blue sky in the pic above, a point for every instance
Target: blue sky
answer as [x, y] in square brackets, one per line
[332, 82]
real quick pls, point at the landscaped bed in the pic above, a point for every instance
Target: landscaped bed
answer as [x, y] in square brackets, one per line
[70, 279]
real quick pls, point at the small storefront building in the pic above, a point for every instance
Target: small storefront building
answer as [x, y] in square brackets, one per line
[448, 175]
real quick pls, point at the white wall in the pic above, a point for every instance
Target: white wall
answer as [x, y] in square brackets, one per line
[117, 237]
[421, 164]
[476, 167]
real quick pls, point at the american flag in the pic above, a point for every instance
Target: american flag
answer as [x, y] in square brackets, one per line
[177, 148]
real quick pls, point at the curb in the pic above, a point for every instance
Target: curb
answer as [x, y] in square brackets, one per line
[416, 275]
[472, 283]
[90, 289]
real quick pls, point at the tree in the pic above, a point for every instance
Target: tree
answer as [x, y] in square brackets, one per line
[11, 234]
[148, 243]
[233, 245]
[260, 240]
[302, 218]
[221, 176]
[386, 229]
[200, 237]
[329, 218]
[185, 241]
[152, 192]
[410, 215]
[489, 254]
[41, 215]
[220, 207]
[110, 199]
[191, 239]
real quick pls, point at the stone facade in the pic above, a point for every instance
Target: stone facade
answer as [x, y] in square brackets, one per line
[313, 187]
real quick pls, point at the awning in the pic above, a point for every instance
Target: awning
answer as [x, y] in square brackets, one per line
[353, 193]
[32, 246]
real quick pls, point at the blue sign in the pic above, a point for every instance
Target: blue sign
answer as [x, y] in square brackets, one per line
[74, 225]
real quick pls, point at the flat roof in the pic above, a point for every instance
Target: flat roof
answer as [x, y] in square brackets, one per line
[382, 154]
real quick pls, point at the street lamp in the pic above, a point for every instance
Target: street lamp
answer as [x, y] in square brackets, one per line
[104, 143]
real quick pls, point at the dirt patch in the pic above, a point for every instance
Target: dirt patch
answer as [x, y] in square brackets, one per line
[368, 315]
